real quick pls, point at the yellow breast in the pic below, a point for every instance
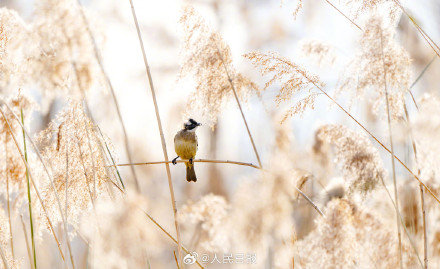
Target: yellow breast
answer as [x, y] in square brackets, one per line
[185, 144]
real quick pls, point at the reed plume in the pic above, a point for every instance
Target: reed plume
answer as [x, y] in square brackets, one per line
[360, 162]
[207, 58]
[78, 164]
[378, 54]
[293, 79]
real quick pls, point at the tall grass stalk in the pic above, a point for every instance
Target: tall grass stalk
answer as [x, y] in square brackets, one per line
[239, 107]
[36, 150]
[159, 123]
[411, 241]
[28, 249]
[422, 193]
[29, 195]
[111, 157]
[32, 180]
[2, 253]
[92, 159]
[8, 202]
[392, 152]
[425, 36]
[175, 258]
[85, 173]
[67, 185]
[169, 235]
[115, 100]
[425, 239]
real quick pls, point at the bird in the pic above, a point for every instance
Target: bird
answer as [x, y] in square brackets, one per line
[185, 145]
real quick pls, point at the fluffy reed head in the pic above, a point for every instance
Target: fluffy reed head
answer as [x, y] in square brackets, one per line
[75, 155]
[13, 169]
[13, 34]
[65, 58]
[126, 248]
[426, 127]
[319, 52]
[359, 161]
[380, 65]
[210, 212]
[349, 236]
[207, 58]
[5, 237]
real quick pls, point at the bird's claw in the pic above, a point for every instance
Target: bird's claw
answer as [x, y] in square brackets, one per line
[174, 161]
[190, 161]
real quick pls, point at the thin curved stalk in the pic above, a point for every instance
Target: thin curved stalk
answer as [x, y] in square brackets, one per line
[418, 78]
[337, 9]
[169, 235]
[111, 157]
[196, 161]
[310, 201]
[159, 124]
[239, 107]
[425, 36]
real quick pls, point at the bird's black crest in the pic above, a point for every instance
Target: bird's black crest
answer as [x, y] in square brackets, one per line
[192, 121]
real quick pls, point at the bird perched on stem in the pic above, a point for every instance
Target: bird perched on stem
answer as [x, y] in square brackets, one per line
[185, 145]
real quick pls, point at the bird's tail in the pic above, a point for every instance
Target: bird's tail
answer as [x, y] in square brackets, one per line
[190, 172]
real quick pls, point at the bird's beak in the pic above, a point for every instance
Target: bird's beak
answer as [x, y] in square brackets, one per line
[198, 124]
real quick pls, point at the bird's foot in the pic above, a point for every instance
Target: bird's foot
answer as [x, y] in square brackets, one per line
[174, 161]
[191, 161]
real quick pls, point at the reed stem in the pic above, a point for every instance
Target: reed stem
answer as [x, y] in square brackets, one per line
[112, 90]
[159, 124]
[197, 160]
[31, 177]
[29, 194]
[239, 107]
[399, 237]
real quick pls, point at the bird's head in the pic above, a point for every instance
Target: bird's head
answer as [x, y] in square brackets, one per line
[191, 125]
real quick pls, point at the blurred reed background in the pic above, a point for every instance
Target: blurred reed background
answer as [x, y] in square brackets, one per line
[326, 197]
